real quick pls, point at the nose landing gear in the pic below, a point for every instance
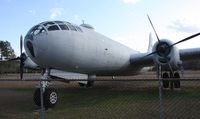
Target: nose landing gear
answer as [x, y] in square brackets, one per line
[171, 80]
[45, 97]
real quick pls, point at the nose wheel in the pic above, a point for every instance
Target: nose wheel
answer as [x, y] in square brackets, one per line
[50, 97]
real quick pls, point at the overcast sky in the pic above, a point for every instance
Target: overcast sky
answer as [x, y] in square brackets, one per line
[122, 20]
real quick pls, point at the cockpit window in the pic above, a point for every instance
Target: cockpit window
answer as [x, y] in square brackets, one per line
[37, 30]
[72, 27]
[54, 27]
[66, 23]
[64, 27]
[48, 24]
[79, 29]
[42, 30]
[59, 22]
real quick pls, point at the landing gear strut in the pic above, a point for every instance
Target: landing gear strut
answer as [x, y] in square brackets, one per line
[88, 84]
[43, 96]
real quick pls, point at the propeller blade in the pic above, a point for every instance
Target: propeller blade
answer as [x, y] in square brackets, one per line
[22, 58]
[151, 53]
[153, 28]
[185, 39]
[21, 44]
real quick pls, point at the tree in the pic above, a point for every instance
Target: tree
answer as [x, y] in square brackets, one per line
[6, 50]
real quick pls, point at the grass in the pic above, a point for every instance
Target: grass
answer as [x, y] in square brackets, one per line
[126, 104]
[112, 100]
[102, 103]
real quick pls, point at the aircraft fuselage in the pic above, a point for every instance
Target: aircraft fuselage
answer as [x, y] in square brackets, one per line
[84, 51]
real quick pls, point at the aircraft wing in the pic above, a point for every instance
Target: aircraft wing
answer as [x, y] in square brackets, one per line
[190, 54]
[142, 60]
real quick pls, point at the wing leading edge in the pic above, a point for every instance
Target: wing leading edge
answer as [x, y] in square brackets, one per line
[190, 54]
[142, 60]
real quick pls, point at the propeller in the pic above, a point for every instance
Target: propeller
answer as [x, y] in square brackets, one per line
[163, 49]
[21, 58]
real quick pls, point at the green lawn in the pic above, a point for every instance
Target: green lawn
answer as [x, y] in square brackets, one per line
[106, 102]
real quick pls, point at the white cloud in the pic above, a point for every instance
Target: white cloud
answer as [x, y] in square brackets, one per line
[182, 26]
[33, 12]
[55, 12]
[131, 1]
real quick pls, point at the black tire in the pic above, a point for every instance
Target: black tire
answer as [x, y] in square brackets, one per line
[50, 98]
[177, 83]
[82, 85]
[165, 82]
[36, 97]
[47, 98]
[88, 85]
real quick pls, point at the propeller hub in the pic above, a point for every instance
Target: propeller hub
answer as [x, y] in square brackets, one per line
[163, 49]
[23, 57]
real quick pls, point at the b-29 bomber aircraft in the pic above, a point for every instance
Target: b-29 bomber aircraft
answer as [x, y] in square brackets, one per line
[68, 51]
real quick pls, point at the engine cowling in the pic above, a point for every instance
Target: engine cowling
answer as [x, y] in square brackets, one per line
[28, 63]
[166, 54]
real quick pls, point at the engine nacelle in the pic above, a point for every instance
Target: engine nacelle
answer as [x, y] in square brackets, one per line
[28, 63]
[166, 54]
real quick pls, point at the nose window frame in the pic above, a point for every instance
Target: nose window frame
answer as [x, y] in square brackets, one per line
[38, 29]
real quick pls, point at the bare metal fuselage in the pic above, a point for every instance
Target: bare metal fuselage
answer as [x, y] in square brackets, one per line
[83, 52]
